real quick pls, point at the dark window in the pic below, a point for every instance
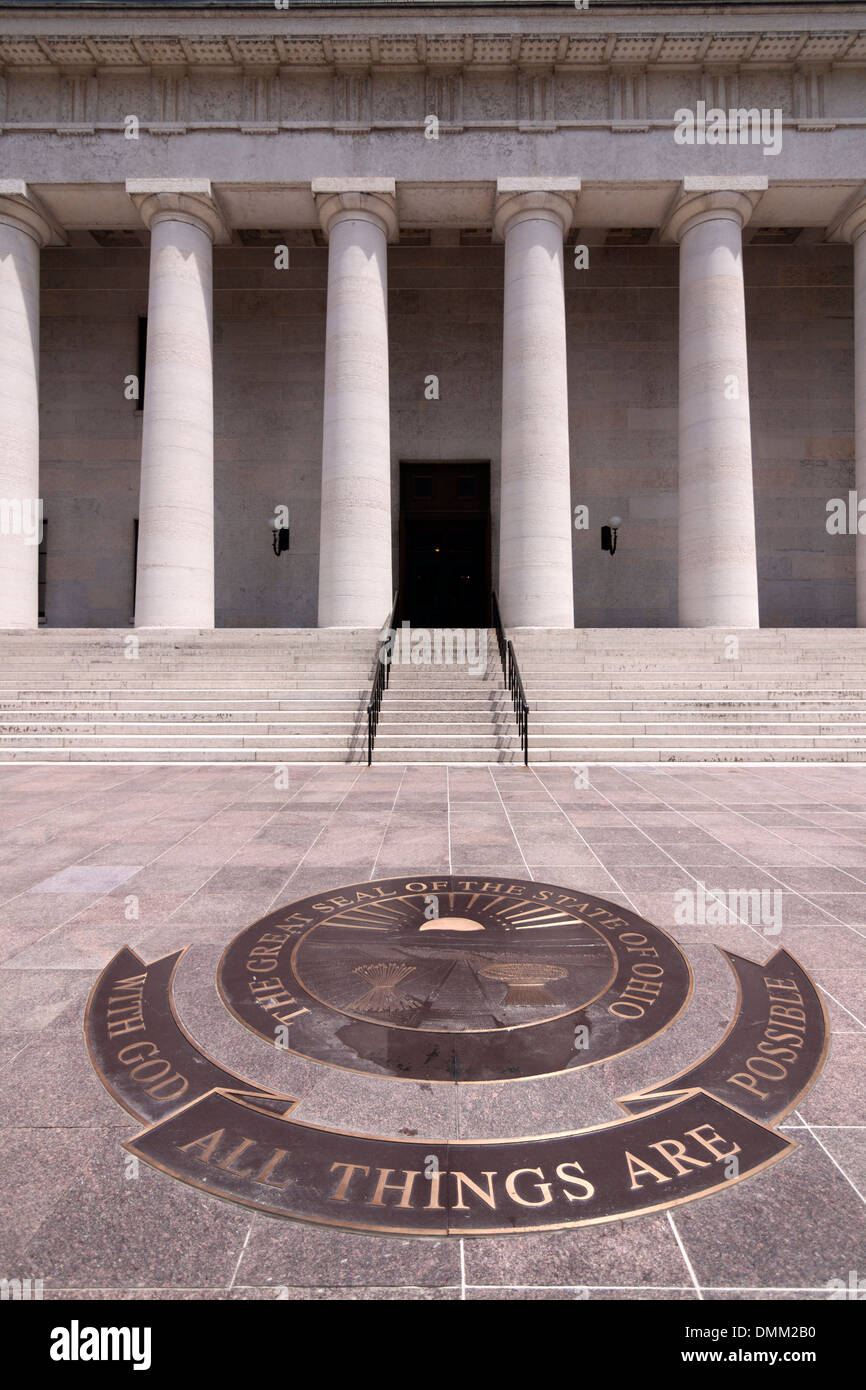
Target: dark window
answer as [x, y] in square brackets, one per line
[423, 485]
[466, 485]
[142, 359]
[134, 561]
[43, 553]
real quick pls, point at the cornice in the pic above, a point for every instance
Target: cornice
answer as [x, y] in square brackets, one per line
[508, 45]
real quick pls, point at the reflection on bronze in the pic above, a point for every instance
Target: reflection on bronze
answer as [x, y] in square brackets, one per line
[382, 997]
[525, 982]
[451, 924]
[702, 1130]
[585, 980]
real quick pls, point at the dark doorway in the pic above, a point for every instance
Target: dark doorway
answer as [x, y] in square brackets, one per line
[445, 544]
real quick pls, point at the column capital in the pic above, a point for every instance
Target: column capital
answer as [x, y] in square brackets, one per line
[184, 200]
[22, 209]
[550, 197]
[853, 220]
[704, 198]
[373, 200]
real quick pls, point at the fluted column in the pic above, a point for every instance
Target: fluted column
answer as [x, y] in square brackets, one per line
[536, 587]
[854, 229]
[355, 572]
[23, 231]
[175, 582]
[718, 575]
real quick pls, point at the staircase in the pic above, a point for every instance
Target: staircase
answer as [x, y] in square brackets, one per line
[299, 695]
[630, 695]
[448, 711]
[233, 695]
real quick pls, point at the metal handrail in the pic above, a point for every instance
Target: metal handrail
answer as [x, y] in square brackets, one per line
[379, 686]
[521, 705]
[500, 637]
[513, 681]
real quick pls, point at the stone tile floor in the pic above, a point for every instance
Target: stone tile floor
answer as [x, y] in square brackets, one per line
[95, 857]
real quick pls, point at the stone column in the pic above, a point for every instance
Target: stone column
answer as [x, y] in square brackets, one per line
[536, 587]
[853, 228]
[23, 230]
[359, 218]
[718, 574]
[175, 583]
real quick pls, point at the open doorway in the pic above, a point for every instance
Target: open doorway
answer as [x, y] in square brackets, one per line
[445, 544]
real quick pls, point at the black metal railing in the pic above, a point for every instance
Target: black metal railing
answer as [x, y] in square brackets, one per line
[501, 641]
[513, 681]
[380, 682]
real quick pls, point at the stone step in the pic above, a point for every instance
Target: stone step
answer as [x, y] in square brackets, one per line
[196, 729]
[847, 671]
[397, 754]
[624, 738]
[550, 731]
[201, 692]
[741, 725]
[699, 702]
[234, 726]
[555, 721]
[636, 690]
[167, 756]
[313, 756]
[332, 700]
[626, 756]
[630, 730]
[272, 697]
[406, 738]
[288, 738]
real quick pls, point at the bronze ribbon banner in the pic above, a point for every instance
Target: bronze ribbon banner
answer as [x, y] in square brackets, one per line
[230, 1145]
[237, 1141]
[137, 1045]
[772, 1051]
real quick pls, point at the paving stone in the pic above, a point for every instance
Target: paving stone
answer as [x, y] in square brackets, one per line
[747, 1231]
[288, 1253]
[214, 848]
[87, 878]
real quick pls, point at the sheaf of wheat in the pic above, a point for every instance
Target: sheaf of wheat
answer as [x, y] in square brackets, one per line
[382, 997]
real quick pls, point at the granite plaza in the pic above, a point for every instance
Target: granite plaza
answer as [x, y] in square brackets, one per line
[431, 446]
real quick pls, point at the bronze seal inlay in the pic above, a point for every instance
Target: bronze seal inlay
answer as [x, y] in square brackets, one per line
[491, 1001]
[455, 979]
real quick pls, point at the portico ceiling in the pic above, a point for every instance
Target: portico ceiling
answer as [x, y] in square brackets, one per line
[85, 206]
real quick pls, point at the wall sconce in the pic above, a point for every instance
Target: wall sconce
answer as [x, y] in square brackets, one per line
[608, 534]
[280, 535]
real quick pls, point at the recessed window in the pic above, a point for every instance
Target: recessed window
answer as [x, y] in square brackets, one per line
[628, 236]
[422, 485]
[465, 485]
[775, 236]
[43, 562]
[142, 359]
[261, 236]
[134, 564]
[114, 237]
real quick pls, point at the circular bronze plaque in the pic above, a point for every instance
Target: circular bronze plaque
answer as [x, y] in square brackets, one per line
[450, 978]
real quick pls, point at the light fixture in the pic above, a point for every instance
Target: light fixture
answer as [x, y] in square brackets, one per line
[608, 534]
[280, 537]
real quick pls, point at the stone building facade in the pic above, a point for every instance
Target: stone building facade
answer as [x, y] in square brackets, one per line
[451, 284]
